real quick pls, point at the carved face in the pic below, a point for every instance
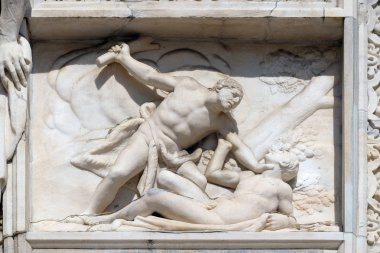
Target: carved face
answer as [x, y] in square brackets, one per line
[229, 93]
[287, 161]
[229, 98]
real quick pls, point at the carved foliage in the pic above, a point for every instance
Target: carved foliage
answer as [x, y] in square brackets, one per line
[373, 155]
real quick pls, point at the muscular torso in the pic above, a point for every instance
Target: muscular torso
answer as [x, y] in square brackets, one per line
[254, 196]
[182, 118]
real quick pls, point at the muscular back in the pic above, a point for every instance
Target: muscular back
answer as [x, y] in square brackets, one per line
[183, 115]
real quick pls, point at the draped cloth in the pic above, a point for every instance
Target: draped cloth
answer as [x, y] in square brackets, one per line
[100, 159]
[163, 224]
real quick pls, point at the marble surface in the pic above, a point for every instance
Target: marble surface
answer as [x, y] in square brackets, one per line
[269, 82]
[82, 117]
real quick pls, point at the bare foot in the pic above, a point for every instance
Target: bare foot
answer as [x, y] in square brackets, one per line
[74, 219]
[98, 219]
[107, 227]
[86, 219]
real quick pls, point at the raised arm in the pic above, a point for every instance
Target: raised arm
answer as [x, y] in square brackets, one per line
[11, 57]
[215, 173]
[242, 152]
[142, 72]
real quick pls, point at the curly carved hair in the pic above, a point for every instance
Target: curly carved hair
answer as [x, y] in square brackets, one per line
[289, 167]
[229, 83]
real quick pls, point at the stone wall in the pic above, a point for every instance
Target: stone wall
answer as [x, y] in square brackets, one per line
[221, 126]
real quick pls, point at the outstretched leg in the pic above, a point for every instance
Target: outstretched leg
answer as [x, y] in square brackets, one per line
[172, 182]
[169, 205]
[129, 163]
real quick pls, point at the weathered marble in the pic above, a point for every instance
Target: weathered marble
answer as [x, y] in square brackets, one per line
[260, 70]
[227, 120]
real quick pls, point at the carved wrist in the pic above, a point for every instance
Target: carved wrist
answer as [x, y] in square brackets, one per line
[5, 39]
[291, 221]
[123, 58]
[6, 35]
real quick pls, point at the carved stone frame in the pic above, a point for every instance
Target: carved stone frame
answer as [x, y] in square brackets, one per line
[18, 238]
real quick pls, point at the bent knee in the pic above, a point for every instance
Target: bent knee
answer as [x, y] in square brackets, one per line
[165, 178]
[123, 172]
[118, 177]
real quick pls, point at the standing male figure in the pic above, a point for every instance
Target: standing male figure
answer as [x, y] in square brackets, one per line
[188, 114]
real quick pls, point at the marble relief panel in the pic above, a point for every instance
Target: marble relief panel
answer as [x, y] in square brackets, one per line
[185, 135]
[308, 1]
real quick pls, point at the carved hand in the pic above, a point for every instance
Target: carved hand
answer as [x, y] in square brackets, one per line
[261, 167]
[277, 221]
[12, 62]
[116, 52]
[120, 50]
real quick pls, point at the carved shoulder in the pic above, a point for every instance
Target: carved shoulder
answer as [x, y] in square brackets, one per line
[284, 191]
[188, 82]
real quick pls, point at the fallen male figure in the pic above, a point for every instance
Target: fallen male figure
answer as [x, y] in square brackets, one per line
[259, 201]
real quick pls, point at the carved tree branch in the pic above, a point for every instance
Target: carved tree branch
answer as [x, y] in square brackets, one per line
[299, 108]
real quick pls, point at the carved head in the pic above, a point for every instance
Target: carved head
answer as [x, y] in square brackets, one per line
[229, 92]
[287, 162]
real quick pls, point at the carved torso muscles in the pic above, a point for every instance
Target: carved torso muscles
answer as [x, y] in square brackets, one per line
[183, 117]
[254, 195]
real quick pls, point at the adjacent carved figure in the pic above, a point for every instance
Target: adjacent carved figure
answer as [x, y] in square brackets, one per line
[11, 56]
[180, 121]
[373, 127]
[254, 195]
[15, 67]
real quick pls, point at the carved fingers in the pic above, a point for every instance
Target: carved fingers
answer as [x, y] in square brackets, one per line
[3, 78]
[13, 63]
[121, 49]
[25, 69]
[260, 167]
[115, 49]
[276, 221]
[16, 73]
[114, 54]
